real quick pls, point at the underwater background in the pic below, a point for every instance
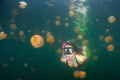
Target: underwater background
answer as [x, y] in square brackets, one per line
[44, 63]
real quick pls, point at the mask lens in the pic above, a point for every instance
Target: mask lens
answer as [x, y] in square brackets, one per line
[68, 50]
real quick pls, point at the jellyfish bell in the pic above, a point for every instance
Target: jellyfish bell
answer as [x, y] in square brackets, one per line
[71, 13]
[2, 35]
[50, 39]
[76, 74]
[76, 29]
[110, 47]
[37, 41]
[80, 37]
[21, 33]
[111, 19]
[82, 74]
[22, 4]
[66, 24]
[108, 39]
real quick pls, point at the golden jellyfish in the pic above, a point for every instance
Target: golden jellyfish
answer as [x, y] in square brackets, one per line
[19, 79]
[66, 19]
[2, 35]
[25, 65]
[108, 39]
[71, 8]
[76, 74]
[95, 57]
[85, 42]
[66, 24]
[101, 37]
[76, 29]
[111, 19]
[12, 33]
[82, 74]
[58, 23]
[110, 47]
[57, 17]
[13, 26]
[5, 65]
[59, 51]
[22, 4]
[82, 33]
[107, 30]
[71, 13]
[21, 33]
[72, 41]
[43, 31]
[11, 58]
[33, 69]
[14, 12]
[50, 39]
[80, 37]
[37, 41]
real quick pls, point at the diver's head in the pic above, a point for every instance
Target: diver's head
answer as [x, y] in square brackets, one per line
[68, 50]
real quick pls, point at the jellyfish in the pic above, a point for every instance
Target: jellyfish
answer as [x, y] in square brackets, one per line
[111, 19]
[2, 35]
[85, 42]
[82, 74]
[58, 23]
[72, 41]
[110, 47]
[95, 57]
[12, 33]
[11, 58]
[66, 19]
[107, 30]
[25, 65]
[66, 24]
[22, 4]
[76, 29]
[50, 39]
[80, 37]
[33, 69]
[71, 8]
[71, 13]
[101, 37]
[37, 41]
[43, 31]
[57, 17]
[59, 51]
[13, 26]
[5, 65]
[76, 74]
[108, 39]
[21, 33]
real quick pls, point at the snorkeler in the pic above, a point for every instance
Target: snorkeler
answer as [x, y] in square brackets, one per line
[72, 55]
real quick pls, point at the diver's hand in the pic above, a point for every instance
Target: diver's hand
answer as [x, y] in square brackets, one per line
[63, 59]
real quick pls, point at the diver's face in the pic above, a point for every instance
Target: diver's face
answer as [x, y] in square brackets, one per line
[69, 53]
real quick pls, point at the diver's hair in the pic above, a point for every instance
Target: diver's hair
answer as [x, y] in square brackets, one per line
[75, 48]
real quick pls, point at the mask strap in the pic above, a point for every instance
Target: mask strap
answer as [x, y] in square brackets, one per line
[64, 45]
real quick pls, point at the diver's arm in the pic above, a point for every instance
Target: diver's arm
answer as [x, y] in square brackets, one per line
[63, 59]
[84, 51]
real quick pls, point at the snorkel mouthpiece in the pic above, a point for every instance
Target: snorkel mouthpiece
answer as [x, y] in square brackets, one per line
[68, 58]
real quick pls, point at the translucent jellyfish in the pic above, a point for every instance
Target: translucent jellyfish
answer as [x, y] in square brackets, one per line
[5, 65]
[33, 69]
[82, 74]
[50, 39]
[11, 58]
[111, 19]
[25, 65]
[85, 42]
[72, 41]
[110, 47]
[59, 51]
[57, 17]
[43, 31]
[52, 5]
[76, 74]
[108, 39]
[22, 4]
[95, 57]
[37, 41]
[66, 24]
[2, 35]
[14, 12]
[21, 33]
[101, 37]
[80, 37]
[76, 29]
[58, 23]
[19, 79]
[71, 8]
[71, 13]
[107, 30]
[13, 26]
[66, 19]
[12, 33]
